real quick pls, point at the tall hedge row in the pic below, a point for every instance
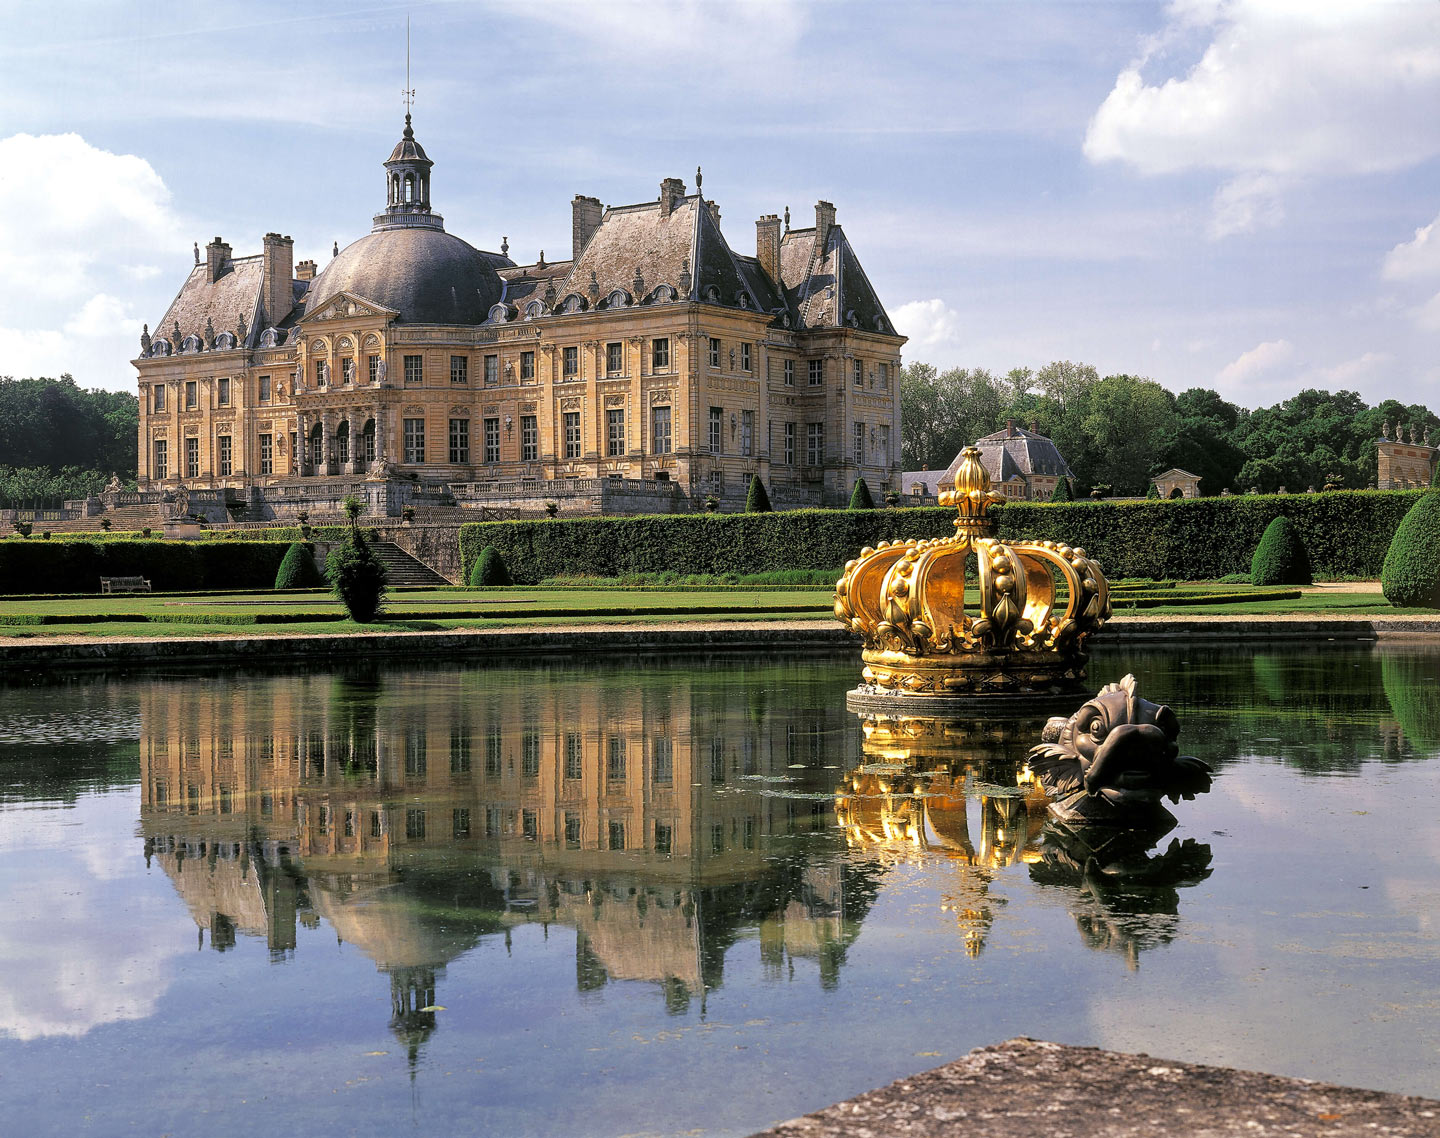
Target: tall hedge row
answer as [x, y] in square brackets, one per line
[76, 566]
[1346, 531]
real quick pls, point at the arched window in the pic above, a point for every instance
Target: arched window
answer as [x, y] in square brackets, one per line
[409, 188]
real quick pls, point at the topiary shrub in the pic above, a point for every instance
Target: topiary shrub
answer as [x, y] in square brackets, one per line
[489, 569]
[860, 498]
[297, 570]
[1411, 573]
[757, 501]
[1062, 493]
[1280, 558]
[1153, 492]
[357, 578]
[1435, 477]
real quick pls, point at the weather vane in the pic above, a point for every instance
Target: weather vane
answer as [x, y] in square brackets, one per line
[409, 92]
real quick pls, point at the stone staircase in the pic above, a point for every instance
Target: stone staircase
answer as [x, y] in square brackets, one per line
[403, 570]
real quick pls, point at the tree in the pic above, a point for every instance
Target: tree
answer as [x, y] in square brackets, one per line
[297, 569]
[1281, 557]
[860, 498]
[757, 501]
[357, 577]
[1062, 492]
[1411, 573]
[489, 569]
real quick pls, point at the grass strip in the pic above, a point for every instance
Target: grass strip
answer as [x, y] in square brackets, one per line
[1186, 599]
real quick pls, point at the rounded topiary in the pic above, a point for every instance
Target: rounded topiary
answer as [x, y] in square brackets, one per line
[357, 578]
[1280, 558]
[297, 570]
[489, 569]
[860, 498]
[1411, 573]
[757, 501]
[1062, 493]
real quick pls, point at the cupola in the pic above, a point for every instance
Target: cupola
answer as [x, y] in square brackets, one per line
[407, 187]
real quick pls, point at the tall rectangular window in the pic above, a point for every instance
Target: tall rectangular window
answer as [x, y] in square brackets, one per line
[614, 359]
[191, 395]
[527, 366]
[414, 371]
[158, 467]
[617, 835]
[530, 754]
[347, 372]
[717, 430]
[319, 373]
[789, 370]
[660, 354]
[267, 454]
[859, 373]
[459, 369]
[744, 357]
[662, 760]
[747, 433]
[859, 444]
[884, 377]
[460, 750]
[814, 444]
[615, 759]
[615, 431]
[492, 370]
[492, 440]
[262, 389]
[789, 444]
[372, 369]
[460, 822]
[883, 458]
[157, 397]
[192, 457]
[572, 434]
[415, 824]
[714, 351]
[414, 435]
[460, 440]
[817, 372]
[570, 362]
[226, 456]
[660, 430]
[574, 756]
[222, 391]
[529, 438]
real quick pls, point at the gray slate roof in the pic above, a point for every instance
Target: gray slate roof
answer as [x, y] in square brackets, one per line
[224, 302]
[1016, 451]
[826, 287]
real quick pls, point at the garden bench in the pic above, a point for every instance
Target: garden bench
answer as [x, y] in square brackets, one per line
[124, 585]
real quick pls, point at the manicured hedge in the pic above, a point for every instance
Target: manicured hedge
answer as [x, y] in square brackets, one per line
[1346, 531]
[1411, 573]
[77, 566]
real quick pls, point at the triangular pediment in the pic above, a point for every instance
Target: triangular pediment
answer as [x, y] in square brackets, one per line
[347, 306]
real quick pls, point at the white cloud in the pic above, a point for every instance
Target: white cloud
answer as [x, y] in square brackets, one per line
[1284, 89]
[1360, 371]
[930, 324]
[1427, 316]
[1258, 361]
[1418, 257]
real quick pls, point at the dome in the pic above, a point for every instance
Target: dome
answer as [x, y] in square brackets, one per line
[425, 274]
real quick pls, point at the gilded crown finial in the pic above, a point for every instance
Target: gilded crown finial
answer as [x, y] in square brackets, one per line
[972, 495]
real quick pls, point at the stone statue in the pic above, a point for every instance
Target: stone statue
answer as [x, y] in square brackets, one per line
[1399, 437]
[241, 330]
[298, 379]
[349, 371]
[113, 486]
[177, 337]
[144, 339]
[197, 252]
[209, 333]
[1114, 760]
[1413, 434]
[324, 377]
[593, 288]
[382, 370]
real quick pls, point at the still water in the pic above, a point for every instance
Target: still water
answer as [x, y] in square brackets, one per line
[656, 898]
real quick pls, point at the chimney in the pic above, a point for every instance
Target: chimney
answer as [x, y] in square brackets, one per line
[824, 219]
[672, 192]
[1035, 426]
[279, 271]
[1010, 428]
[305, 271]
[585, 214]
[217, 259]
[767, 245]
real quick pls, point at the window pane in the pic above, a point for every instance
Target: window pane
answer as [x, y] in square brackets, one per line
[529, 438]
[460, 440]
[414, 369]
[492, 440]
[414, 440]
[459, 369]
[661, 359]
[660, 430]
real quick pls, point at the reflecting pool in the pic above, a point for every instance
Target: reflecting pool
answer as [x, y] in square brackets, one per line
[691, 896]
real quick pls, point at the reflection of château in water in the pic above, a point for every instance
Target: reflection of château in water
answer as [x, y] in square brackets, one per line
[418, 815]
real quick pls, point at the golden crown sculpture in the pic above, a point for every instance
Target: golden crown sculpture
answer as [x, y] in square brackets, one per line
[1039, 602]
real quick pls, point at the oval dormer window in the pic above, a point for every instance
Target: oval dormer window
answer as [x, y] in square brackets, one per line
[159, 347]
[573, 303]
[269, 338]
[880, 324]
[618, 299]
[191, 344]
[499, 313]
[663, 294]
[712, 295]
[742, 299]
[534, 309]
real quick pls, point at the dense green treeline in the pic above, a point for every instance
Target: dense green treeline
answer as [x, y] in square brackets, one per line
[1120, 430]
[58, 440]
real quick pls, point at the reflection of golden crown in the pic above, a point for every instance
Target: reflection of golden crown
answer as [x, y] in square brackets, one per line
[1038, 603]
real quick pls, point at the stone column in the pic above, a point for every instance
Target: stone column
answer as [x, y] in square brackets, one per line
[357, 441]
[298, 455]
[327, 445]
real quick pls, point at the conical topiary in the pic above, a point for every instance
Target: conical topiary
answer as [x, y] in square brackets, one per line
[860, 498]
[489, 569]
[757, 501]
[357, 577]
[1153, 492]
[1280, 558]
[1062, 492]
[297, 570]
[1411, 573]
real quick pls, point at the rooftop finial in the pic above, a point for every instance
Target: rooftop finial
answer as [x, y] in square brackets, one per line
[409, 92]
[787, 219]
[504, 246]
[699, 179]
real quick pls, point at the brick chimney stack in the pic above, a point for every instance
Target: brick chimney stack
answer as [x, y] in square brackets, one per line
[305, 271]
[672, 193]
[279, 270]
[824, 219]
[217, 259]
[1010, 425]
[767, 245]
[585, 215]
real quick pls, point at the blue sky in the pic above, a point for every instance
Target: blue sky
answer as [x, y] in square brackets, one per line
[1239, 195]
